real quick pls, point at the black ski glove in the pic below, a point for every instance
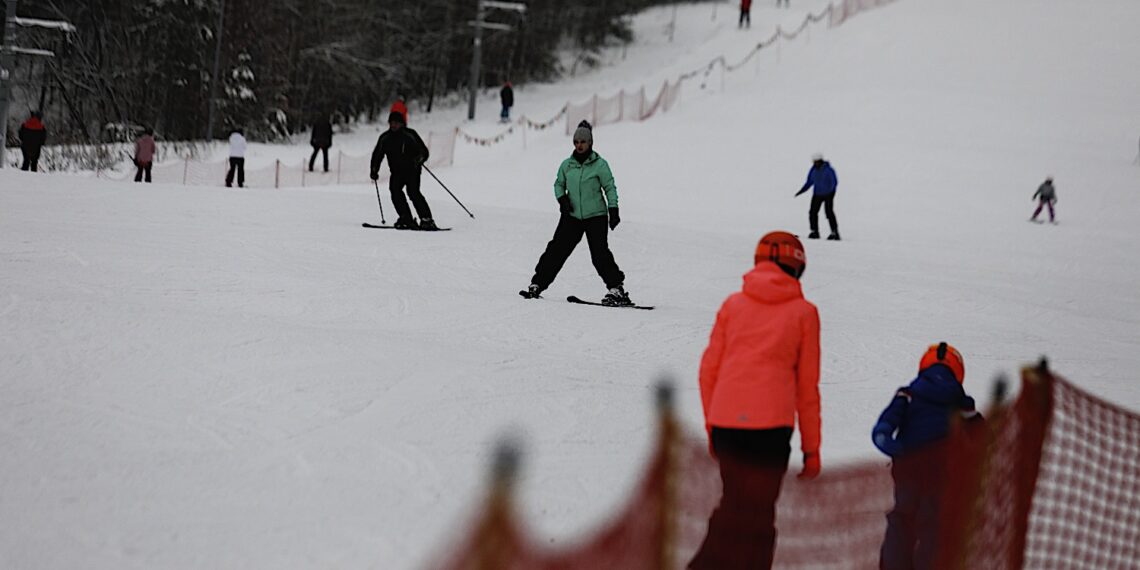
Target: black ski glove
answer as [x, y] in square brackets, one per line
[615, 219]
[564, 205]
[374, 176]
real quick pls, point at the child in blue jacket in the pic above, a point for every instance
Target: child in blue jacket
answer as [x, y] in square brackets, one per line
[910, 431]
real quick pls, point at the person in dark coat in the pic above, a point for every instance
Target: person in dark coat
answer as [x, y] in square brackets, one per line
[406, 153]
[912, 430]
[1047, 195]
[144, 155]
[33, 135]
[822, 177]
[507, 97]
[321, 140]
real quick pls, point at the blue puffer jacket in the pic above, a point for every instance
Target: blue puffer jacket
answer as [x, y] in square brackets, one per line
[822, 179]
[920, 413]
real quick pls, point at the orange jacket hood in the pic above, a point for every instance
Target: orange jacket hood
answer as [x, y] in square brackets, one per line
[768, 283]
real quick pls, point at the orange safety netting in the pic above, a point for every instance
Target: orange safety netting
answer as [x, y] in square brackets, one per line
[1049, 481]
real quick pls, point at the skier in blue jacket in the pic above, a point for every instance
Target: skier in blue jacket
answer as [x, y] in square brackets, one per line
[910, 431]
[822, 178]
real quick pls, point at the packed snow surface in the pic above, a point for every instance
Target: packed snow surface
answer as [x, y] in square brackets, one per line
[209, 378]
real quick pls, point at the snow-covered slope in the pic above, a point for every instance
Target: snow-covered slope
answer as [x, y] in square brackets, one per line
[201, 377]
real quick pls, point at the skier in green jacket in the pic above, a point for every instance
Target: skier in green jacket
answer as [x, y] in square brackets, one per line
[588, 200]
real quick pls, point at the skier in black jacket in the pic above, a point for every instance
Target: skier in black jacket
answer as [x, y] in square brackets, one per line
[321, 140]
[33, 135]
[507, 97]
[406, 154]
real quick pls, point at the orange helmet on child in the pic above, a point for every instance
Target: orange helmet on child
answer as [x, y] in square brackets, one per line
[785, 250]
[943, 353]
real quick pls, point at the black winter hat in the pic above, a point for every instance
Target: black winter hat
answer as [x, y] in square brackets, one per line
[397, 117]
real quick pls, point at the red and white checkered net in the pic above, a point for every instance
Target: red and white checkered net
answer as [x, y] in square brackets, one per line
[842, 10]
[622, 106]
[835, 521]
[608, 110]
[1086, 508]
[1034, 487]
[632, 540]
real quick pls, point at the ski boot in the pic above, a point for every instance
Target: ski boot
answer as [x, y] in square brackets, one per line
[428, 225]
[813, 235]
[617, 297]
[531, 292]
[833, 237]
[406, 224]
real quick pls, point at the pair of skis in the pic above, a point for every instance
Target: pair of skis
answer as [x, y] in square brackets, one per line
[387, 227]
[579, 301]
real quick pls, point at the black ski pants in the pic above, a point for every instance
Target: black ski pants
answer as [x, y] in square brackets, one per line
[410, 179]
[313, 159]
[911, 540]
[566, 237]
[828, 203]
[237, 166]
[745, 17]
[742, 528]
[31, 158]
[143, 170]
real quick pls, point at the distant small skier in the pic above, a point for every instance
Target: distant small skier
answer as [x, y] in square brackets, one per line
[400, 107]
[144, 155]
[785, 2]
[406, 153]
[912, 431]
[33, 135]
[586, 193]
[822, 177]
[759, 377]
[745, 14]
[1046, 195]
[507, 98]
[321, 139]
[237, 159]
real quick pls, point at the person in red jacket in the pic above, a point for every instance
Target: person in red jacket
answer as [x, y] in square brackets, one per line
[759, 376]
[745, 13]
[144, 155]
[33, 135]
[400, 107]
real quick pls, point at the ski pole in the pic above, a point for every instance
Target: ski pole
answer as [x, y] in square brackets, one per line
[449, 191]
[378, 202]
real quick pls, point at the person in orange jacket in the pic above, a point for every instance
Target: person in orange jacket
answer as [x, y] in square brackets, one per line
[759, 376]
[400, 107]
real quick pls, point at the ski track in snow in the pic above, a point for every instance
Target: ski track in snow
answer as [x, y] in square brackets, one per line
[202, 377]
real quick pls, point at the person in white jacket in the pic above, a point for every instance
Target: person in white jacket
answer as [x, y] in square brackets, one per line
[237, 159]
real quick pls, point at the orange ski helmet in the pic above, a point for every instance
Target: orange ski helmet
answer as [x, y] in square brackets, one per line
[943, 353]
[785, 250]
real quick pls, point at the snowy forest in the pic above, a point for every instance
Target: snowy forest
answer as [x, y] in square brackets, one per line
[133, 63]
